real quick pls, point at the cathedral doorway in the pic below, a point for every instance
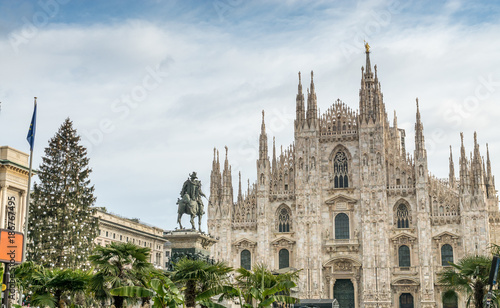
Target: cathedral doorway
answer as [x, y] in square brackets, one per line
[406, 300]
[343, 292]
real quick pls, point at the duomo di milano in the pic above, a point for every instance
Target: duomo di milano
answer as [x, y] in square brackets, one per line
[347, 204]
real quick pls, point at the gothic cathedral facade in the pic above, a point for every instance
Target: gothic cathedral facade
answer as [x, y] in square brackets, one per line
[346, 203]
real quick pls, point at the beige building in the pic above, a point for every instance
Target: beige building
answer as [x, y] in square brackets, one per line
[13, 187]
[348, 204]
[114, 228]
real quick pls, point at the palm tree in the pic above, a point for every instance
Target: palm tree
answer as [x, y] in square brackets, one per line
[260, 287]
[197, 276]
[164, 293]
[265, 287]
[470, 277]
[117, 265]
[52, 287]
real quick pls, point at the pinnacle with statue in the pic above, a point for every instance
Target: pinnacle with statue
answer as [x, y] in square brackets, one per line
[190, 202]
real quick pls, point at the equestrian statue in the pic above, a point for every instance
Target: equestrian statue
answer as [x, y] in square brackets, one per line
[190, 202]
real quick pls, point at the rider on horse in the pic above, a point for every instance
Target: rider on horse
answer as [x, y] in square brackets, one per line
[191, 202]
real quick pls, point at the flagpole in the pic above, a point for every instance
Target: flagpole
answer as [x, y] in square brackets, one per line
[27, 216]
[26, 219]
[27, 208]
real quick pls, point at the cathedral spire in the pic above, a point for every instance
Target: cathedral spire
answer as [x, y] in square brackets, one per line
[312, 108]
[274, 171]
[464, 168]
[452, 170]
[490, 179]
[227, 185]
[488, 162]
[371, 104]
[215, 180]
[240, 195]
[300, 108]
[420, 151]
[368, 64]
[395, 123]
[477, 168]
[263, 141]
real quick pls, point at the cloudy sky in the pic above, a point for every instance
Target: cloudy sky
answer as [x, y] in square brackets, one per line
[153, 86]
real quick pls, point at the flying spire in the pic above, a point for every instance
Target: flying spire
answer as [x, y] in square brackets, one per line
[464, 169]
[490, 182]
[419, 136]
[240, 195]
[263, 141]
[452, 170]
[300, 108]
[226, 162]
[368, 64]
[311, 104]
[274, 170]
[488, 162]
[371, 103]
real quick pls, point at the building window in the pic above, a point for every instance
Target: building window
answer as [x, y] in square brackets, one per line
[114, 235]
[341, 227]
[450, 299]
[284, 220]
[404, 256]
[106, 233]
[284, 258]
[403, 216]
[340, 170]
[446, 255]
[167, 254]
[406, 300]
[99, 232]
[246, 260]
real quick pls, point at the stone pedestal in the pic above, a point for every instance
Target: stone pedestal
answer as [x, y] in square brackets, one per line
[190, 243]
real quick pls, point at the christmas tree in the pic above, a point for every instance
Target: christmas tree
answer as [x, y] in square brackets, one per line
[62, 227]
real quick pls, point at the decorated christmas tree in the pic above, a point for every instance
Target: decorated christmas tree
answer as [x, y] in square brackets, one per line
[62, 227]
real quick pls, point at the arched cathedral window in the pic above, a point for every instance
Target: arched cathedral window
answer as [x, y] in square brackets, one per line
[284, 258]
[404, 256]
[246, 259]
[446, 254]
[340, 170]
[403, 216]
[341, 227]
[450, 299]
[284, 220]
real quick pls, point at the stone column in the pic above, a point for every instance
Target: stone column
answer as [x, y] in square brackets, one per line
[355, 284]
[21, 211]
[332, 284]
[3, 204]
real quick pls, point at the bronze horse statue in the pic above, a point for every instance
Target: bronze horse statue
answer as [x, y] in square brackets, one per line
[190, 207]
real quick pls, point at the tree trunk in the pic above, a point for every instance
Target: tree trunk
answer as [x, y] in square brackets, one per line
[478, 294]
[190, 294]
[118, 301]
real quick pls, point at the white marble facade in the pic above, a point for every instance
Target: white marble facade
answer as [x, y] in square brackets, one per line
[349, 205]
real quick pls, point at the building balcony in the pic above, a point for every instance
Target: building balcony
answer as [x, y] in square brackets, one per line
[405, 271]
[347, 245]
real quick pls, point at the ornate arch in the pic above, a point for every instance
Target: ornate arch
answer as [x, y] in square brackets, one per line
[402, 214]
[340, 167]
[283, 218]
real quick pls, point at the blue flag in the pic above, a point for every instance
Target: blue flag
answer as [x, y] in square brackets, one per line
[31, 132]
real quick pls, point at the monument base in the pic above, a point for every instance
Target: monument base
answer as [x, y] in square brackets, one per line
[190, 243]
